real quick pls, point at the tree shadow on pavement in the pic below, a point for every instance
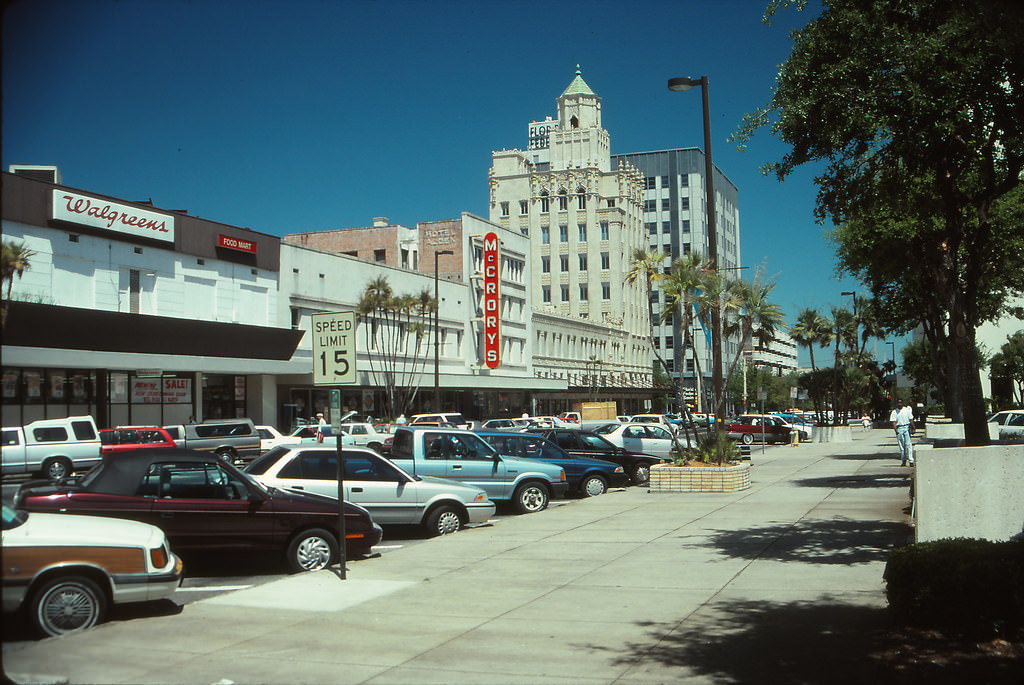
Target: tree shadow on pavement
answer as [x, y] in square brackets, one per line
[810, 642]
[873, 456]
[835, 541]
[873, 480]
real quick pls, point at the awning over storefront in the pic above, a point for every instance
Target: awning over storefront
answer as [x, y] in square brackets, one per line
[33, 325]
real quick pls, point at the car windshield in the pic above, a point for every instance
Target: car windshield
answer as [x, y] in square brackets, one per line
[606, 428]
[13, 518]
[596, 441]
[260, 464]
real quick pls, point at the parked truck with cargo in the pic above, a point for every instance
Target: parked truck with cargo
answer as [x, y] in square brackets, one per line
[464, 456]
[51, 448]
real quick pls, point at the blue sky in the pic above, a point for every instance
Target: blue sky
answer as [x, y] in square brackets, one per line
[298, 115]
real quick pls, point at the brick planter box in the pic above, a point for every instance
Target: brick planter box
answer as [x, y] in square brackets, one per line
[668, 478]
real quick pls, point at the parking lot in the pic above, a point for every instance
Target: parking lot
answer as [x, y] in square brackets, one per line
[625, 587]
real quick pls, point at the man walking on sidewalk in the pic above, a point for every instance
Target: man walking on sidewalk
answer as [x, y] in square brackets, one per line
[902, 420]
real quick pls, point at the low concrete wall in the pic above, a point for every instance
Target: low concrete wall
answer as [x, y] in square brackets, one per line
[954, 431]
[969, 492]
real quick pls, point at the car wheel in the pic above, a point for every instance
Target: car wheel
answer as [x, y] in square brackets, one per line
[227, 454]
[67, 603]
[312, 550]
[641, 474]
[747, 439]
[375, 446]
[56, 468]
[530, 497]
[593, 486]
[443, 520]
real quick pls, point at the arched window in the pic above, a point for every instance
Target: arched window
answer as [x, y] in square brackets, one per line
[544, 202]
[574, 122]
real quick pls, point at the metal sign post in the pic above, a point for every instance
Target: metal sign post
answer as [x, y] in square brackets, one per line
[334, 363]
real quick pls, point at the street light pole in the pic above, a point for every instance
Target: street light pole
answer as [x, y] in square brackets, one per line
[437, 340]
[684, 84]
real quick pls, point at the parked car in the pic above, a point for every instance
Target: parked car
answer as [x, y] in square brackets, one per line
[645, 438]
[390, 494]
[570, 417]
[581, 443]
[366, 435]
[271, 437]
[587, 477]
[204, 503]
[127, 438]
[760, 427]
[65, 570]
[235, 440]
[505, 424]
[51, 448]
[464, 456]
[662, 420]
[1010, 423]
[801, 425]
[454, 418]
[318, 434]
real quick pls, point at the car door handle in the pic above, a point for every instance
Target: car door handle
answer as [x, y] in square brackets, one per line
[167, 515]
[357, 489]
[298, 487]
[456, 467]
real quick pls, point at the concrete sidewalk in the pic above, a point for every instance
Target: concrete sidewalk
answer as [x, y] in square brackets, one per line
[778, 583]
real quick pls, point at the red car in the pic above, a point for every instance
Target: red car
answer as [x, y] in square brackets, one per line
[203, 503]
[751, 427]
[114, 440]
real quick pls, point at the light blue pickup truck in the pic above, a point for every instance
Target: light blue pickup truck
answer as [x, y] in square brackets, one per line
[464, 456]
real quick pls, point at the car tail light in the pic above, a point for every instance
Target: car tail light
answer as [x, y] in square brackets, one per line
[158, 556]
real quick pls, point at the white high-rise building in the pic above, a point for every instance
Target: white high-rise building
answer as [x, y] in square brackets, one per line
[675, 223]
[583, 215]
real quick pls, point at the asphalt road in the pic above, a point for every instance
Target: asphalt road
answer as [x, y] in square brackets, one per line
[207, 576]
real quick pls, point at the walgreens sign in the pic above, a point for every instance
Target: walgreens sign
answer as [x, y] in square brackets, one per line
[492, 303]
[111, 216]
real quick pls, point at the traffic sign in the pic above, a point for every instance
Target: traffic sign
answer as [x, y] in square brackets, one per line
[334, 348]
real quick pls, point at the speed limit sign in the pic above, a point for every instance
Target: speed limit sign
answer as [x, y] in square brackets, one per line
[334, 348]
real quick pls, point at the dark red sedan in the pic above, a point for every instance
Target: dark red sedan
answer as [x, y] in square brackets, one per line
[204, 503]
[760, 427]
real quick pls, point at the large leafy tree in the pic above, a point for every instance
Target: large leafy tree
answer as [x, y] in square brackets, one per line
[916, 110]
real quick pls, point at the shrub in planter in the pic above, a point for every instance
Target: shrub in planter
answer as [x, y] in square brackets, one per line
[973, 585]
[715, 444]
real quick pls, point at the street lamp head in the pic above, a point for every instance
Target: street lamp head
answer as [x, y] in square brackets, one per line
[683, 83]
[844, 294]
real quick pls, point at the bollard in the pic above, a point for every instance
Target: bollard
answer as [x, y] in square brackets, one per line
[794, 438]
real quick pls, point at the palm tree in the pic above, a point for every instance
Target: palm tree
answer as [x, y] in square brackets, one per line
[685, 287]
[644, 264]
[398, 326]
[17, 259]
[844, 332]
[750, 315]
[811, 330]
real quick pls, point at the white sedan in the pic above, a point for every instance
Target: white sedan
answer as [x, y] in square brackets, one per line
[646, 438]
[391, 495]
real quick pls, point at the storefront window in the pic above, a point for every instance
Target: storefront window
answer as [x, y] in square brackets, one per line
[11, 386]
[33, 387]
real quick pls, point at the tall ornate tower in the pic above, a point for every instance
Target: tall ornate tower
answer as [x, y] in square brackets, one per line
[584, 220]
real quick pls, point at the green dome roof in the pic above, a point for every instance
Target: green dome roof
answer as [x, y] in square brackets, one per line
[578, 86]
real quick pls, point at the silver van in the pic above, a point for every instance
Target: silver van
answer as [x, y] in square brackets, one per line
[234, 440]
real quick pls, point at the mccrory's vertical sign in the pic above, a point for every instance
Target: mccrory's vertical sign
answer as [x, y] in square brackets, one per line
[492, 302]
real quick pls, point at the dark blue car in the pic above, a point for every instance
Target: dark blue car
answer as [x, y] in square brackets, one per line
[586, 477]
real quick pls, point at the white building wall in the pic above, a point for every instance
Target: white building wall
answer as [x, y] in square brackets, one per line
[92, 273]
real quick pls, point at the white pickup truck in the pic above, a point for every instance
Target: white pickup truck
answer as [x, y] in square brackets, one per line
[51, 448]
